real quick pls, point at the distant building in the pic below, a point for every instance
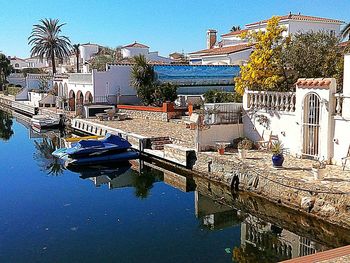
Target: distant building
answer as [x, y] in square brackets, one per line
[32, 62]
[135, 49]
[233, 50]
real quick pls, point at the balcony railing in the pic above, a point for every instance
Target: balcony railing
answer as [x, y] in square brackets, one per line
[278, 101]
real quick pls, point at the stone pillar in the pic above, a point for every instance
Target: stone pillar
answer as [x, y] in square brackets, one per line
[346, 88]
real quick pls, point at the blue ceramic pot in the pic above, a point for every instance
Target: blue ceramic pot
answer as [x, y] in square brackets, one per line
[277, 160]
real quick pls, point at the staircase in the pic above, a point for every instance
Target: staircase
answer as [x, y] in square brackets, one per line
[157, 143]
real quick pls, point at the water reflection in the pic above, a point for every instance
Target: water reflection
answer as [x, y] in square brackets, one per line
[6, 122]
[44, 146]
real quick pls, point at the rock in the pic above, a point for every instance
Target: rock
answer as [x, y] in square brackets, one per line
[328, 209]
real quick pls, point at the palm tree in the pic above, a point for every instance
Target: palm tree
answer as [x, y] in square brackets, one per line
[142, 78]
[345, 32]
[235, 28]
[76, 51]
[5, 126]
[47, 42]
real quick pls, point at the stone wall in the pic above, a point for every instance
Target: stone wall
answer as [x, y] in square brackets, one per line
[311, 198]
[146, 115]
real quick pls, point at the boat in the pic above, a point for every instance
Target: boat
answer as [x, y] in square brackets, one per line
[77, 139]
[110, 170]
[44, 122]
[87, 152]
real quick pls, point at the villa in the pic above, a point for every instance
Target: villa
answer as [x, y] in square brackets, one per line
[233, 50]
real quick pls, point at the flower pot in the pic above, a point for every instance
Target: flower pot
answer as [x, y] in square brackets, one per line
[277, 160]
[221, 151]
[242, 153]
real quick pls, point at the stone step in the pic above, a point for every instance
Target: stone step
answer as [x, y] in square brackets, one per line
[154, 139]
[161, 142]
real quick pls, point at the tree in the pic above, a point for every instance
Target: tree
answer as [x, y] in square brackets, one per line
[313, 55]
[264, 70]
[142, 79]
[76, 52]
[5, 69]
[235, 28]
[345, 32]
[47, 42]
[217, 96]
[5, 126]
[165, 92]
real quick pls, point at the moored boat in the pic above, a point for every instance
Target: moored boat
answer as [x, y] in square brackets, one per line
[44, 122]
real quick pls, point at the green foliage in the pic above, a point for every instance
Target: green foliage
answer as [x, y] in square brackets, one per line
[47, 43]
[277, 148]
[235, 28]
[5, 69]
[216, 96]
[245, 144]
[76, 52]
[5, 126]
[13, 90]
[313, 55]
[106, 55]
[27, 71]
[147, 89]
[263, 70]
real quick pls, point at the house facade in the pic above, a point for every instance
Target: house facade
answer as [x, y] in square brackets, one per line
[233, 50]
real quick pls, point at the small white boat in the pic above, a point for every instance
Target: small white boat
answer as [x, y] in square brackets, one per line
[44, 122]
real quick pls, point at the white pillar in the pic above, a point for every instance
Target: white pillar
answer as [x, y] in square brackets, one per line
[346, 88]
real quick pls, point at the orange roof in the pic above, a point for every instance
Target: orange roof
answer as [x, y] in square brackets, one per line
[135, 44]
[223, 50]
[320, 83]
[344, 44]
[234, 33]
[301, 18]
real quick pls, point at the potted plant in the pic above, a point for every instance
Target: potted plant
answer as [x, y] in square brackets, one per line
[277, 154]
[243, 147]
[318, 170]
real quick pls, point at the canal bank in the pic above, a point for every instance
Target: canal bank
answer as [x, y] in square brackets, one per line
[292, 186]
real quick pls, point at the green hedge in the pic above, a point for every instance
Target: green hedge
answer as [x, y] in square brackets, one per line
[13, 90]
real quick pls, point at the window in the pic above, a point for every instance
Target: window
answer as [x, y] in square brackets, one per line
[16, 65]
[332, 32]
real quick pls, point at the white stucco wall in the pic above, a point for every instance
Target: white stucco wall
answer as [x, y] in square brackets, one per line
[87, 51]
[304, 26]
[238, 58]
[207, 138]
[216, 60]
[128, 52]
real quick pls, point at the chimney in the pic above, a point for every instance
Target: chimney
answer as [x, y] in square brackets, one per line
[211, 38]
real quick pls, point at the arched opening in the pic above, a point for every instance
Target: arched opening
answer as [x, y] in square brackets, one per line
[65, 90]
[60, 90]
[71, 100]
[88, 98]
[79, 98]
[311, 125]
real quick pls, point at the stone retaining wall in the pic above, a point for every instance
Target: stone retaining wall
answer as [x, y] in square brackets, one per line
[314, 199]
[146, 115]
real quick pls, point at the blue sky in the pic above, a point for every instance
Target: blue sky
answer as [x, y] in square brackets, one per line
[164, 25]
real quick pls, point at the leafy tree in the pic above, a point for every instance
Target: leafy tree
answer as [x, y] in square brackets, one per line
[5, 69]
[43, 83]
[5, 126]
[217, 96]
[235, 28]
[313, 55]
[105, 56]
[165, 92]
[264, 70]
[47, 42]
[76, 52]
[345, 32]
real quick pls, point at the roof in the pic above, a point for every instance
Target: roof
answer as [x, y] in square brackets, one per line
[135, 44]
[320, 83]
[235, 33]
[48, 99]
[16, 58]
[222, 50]
[300, 17]
[344, 44]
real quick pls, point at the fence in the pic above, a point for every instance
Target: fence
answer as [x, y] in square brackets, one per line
[222, 113]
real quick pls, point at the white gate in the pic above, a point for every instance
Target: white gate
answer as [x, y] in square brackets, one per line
[311, 125]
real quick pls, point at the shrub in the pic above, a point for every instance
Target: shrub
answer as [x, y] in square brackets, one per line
[217, 96]
[245, 144]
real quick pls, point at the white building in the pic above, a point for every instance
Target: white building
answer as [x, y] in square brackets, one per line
[87, 51]
[234, 50]
[135, 49]
[32, 62]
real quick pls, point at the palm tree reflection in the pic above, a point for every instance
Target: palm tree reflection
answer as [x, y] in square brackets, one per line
[43, 155]
[143, 183]
[6, 122]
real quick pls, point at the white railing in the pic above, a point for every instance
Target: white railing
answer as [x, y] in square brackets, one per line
[338, 110]
[268, 100]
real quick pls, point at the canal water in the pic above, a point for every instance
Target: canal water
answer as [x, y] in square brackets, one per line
[137, 212]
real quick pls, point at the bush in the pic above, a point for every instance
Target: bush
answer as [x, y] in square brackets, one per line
[217, 96]
[12, 90]
[243, 141]
[245, 144]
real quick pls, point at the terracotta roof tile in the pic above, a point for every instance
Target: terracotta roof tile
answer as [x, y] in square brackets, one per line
[222, 50]
[320, 83]
[234, 33]
[135, 44]
[300, 18]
